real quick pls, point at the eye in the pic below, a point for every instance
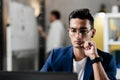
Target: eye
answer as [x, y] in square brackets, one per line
[73, 30]
[83, 31]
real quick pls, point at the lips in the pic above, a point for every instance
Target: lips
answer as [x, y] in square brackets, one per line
[79, 42]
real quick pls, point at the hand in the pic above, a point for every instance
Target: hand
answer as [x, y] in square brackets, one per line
[42, 32]
[90, 49]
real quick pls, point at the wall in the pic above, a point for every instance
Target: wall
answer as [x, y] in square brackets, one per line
[33, 3]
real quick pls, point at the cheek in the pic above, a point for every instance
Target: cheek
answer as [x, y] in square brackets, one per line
[71, 36]
[87, 37]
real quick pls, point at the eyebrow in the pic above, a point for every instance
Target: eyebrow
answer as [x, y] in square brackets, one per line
[72, 28]
[80, 28]
[83, 28]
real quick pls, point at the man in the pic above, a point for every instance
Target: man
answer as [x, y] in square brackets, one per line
[56, 32]
[83, 57]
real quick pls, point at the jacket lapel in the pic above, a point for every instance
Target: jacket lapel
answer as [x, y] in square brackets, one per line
[88, 70]
[68, 60]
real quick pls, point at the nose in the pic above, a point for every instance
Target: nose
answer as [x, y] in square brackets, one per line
[78, 35]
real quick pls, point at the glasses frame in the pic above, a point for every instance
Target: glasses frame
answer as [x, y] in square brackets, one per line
[81, 31]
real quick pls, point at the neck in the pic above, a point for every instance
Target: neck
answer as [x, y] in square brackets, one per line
[79, 54]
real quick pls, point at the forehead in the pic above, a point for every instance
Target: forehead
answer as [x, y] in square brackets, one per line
[79, 23]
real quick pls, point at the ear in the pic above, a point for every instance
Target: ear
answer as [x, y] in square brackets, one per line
[91, 36]
[93, 33]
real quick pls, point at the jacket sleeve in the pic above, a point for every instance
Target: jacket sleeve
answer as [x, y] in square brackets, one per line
[111, 70]
[48, 64]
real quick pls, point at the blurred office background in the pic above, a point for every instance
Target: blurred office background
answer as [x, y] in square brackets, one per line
[22, 48]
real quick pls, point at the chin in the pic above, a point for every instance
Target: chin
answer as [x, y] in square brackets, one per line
[76, 46]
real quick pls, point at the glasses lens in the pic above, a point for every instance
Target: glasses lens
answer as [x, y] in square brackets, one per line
[82, 31]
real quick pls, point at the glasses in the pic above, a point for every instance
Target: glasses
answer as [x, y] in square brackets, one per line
[81, 31]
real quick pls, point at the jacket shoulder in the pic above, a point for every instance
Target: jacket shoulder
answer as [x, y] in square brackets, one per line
[104, 54]
[59, 53]
[62, 49]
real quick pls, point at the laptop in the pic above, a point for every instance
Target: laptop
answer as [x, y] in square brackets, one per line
[37, 76]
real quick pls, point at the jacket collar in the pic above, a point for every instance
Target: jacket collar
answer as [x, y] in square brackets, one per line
[68, 60]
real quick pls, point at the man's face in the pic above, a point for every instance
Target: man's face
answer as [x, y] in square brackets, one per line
[80, 31]
[51, 18]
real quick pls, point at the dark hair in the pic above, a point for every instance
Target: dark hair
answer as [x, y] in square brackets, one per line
[56, 14]
[82, 14]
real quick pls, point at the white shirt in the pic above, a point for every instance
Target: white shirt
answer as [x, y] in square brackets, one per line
[56, 36]
[78, 67]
